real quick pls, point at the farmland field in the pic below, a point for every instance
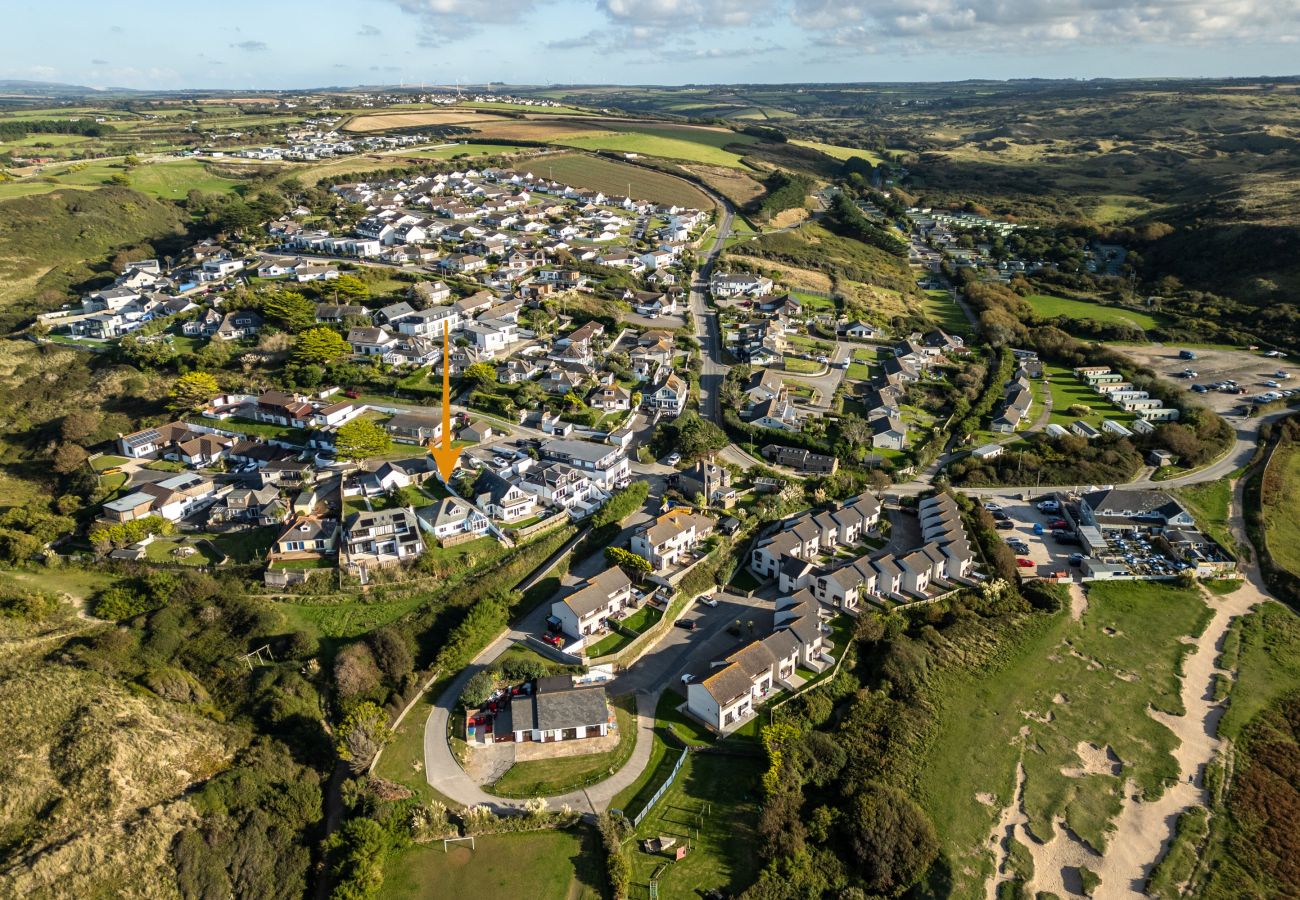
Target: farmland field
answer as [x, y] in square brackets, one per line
[693, 144]
[172, 180]
[614, 178]
[840, 152]
[1050, 307]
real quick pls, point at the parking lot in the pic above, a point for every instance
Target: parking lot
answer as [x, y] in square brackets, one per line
[1047, 554]
[1051, 554]
[1250, 370]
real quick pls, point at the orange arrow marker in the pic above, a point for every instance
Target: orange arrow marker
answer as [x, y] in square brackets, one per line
[446, 456]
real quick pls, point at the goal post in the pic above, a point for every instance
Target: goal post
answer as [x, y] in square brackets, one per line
[446, 841]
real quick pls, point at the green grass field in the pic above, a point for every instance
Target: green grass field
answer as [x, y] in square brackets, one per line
[1209, 502]
[838, 152]
[945, 312]
[1267, 658]
[1066, 684]
[615, 178]
[1051, 307]
[173, 179]
[345, 619]
[1281, 525]
[465, 150]
[541, 864]
[1067, 391]
[713, 806]
[683, 142]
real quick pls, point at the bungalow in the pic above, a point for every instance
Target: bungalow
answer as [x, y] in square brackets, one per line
[584, 612]
[556, 709]
[415, 428]
[238, 325]
[862, 331]
[612, 398]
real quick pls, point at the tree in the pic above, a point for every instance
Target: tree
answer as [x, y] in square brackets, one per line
[319, 346]
[349, 287]
[361, 439]
[392, 650]
[289, 309]
[636, 566]
[355, 671]
[69, 458]
[362, 734]
[80, 425]
[480, 373]
[192, 391]
[478, 689]
[890, 838]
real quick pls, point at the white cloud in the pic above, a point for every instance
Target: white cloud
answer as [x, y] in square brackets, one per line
[989, 25]
[251, 46]
[678, 13]
[368, 31]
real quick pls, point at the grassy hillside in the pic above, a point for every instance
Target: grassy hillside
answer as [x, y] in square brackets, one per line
[50, 241]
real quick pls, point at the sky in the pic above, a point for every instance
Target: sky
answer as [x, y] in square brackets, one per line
[290, 44]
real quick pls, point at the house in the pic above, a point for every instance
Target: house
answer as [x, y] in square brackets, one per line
[518, 369]
[464, 263]
[652, 304]
[238, 325]
[862, 331]
[249, 506]
[669, 397]
[668, 540]
[778, 414]
[502, 500]
[611, 398]
[585, 611]
[381, 537]
[556, 709]
[804, 461]
[172, 498]
[1148, 511]
[280, 408]
[306, 536]
[889, 433]
[708, 480]
[415, 428]
[430, 293]
[765, 385]
[608, 465]
[987, 451]
[741, 284]
[452, 519]
[336, 313]
[728, 697]
[370, 340]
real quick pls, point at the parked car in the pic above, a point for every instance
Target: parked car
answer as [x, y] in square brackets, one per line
[1001, 516]
[993, 507]
[687, 678]
[1004, 525]
[688, 624]
[1024, 563]
[1058, 523]
[709, 600]
[672, 459]
[1049, 506]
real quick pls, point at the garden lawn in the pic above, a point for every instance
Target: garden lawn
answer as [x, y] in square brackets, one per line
[1050, 307]
[713, 805]
[100, 463]
[1064, 683]
[940, 307]
[797, 366]
[549, 777]
[560, 864]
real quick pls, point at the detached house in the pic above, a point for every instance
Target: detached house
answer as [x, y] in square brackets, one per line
[381, 537]
[668, 540]
[584, 612]
[502, 500]
[669, 397]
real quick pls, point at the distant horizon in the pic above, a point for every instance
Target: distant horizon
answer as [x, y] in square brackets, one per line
[503, 87]
[310, 44]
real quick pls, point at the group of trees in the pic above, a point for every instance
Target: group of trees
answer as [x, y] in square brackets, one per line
[845, 218]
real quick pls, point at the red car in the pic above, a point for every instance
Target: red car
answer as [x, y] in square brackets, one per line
[1024, 563]
[1059, 523]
